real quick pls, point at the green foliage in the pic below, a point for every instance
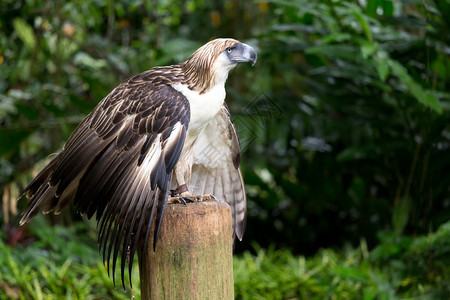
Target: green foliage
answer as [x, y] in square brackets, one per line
[327, 275]
[362, 140]
[414, 270]
[62, 263]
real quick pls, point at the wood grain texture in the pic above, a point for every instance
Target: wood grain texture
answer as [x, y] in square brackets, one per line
[193, 257]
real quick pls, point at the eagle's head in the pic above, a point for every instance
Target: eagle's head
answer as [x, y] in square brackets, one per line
[210, 64]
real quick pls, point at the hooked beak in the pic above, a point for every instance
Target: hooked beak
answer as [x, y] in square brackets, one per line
[243, 53]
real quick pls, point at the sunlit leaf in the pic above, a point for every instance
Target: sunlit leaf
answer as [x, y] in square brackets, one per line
[368, 49]
[362, 21]
[413, 87]
[382, 64]
[25, 33]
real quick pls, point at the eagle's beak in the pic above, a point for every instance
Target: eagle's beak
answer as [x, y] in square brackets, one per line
[243, 53]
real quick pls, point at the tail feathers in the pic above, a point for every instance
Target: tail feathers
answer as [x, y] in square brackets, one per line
[239, 207]
[225, 183]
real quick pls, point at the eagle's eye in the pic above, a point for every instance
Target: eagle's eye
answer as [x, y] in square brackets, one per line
[230, 49]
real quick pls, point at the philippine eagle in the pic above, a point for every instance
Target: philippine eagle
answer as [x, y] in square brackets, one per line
[160, 135]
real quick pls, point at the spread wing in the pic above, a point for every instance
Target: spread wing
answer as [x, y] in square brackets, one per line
[118, 164]
[216, 168]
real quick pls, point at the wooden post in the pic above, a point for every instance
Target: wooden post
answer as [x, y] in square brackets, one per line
[193, 257]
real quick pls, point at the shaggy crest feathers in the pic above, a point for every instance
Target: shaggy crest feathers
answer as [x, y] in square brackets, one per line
[198, 68]
[196, 72]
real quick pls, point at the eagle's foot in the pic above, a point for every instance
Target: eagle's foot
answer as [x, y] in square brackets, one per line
[184, 199]
[201, 198]
[180, 200]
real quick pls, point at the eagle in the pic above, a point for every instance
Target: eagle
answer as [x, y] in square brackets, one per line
[161, 136]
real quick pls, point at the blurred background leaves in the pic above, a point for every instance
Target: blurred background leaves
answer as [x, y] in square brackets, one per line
[343, 120]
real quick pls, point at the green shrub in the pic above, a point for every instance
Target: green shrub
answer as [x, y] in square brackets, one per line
[61, 264]
[398, 268]
[64, 263]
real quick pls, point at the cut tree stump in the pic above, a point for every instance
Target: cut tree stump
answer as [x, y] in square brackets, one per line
[193, 257]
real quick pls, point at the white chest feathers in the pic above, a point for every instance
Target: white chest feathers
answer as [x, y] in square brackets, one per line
[203, 107]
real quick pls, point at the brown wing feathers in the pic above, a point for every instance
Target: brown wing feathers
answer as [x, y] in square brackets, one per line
[121, 156]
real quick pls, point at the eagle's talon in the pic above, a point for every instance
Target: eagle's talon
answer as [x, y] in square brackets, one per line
[180, 199]
[187, 199]
[208, 197]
